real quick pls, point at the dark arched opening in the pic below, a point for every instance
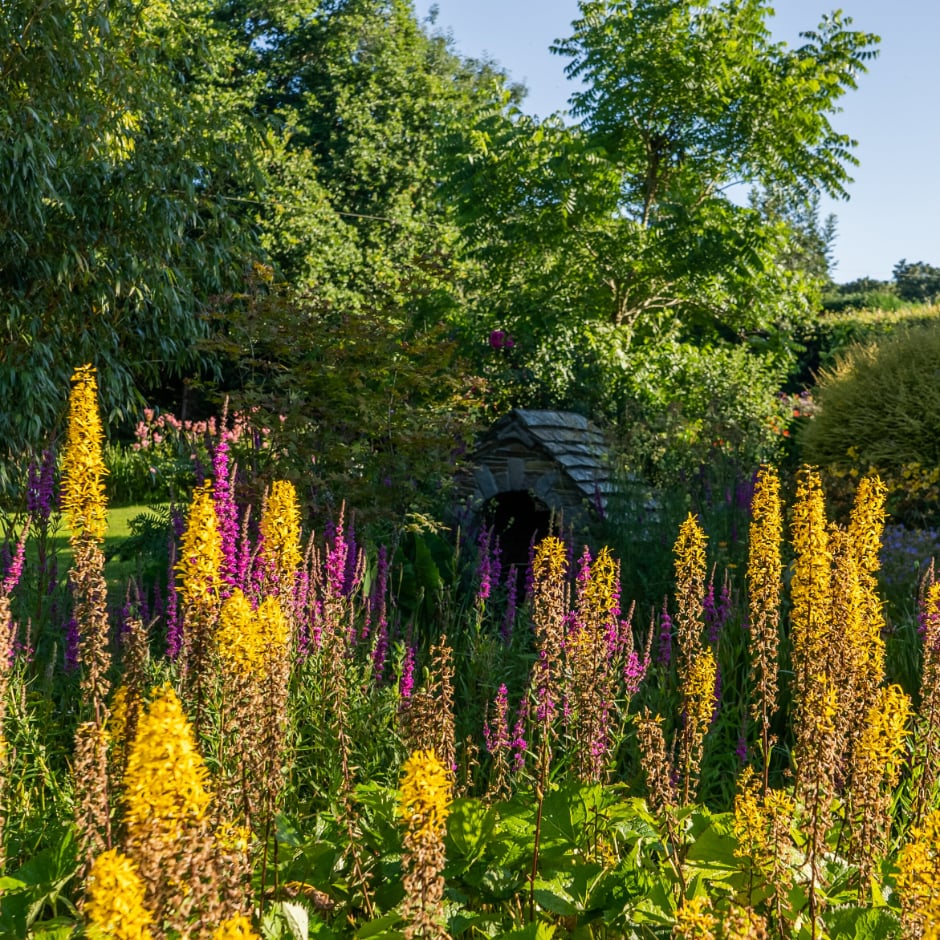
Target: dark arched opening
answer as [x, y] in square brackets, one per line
[519, 519]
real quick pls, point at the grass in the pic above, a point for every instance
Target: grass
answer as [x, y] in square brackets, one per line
[122, 561]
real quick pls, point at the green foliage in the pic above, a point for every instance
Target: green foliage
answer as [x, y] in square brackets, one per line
[879, 407]
[916, 281]
[359, 98]
[864, 293]
[833, 333]
[114, 165]
[684, 407]
[357, 406]
[598, 245]
[881, 402]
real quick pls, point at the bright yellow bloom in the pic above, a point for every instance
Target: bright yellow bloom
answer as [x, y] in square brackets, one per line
[115, 903]
[166, 777]
[750, 825]
[280, 531]
[867, 522]
[551, 560]
[689, 553]
[238, 639]
[699, 690]
[273, 625]
[117, 719]
[810, 589]
[600, 591]
[83, 469]
[235, 928]
[918, 881]
[425, 793]
[865, 531]
[694, 920]
[246, 637]
[764, 570]
[201, 552]
[883, 738]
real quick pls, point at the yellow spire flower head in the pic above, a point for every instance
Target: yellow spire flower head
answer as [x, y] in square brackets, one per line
[246, 637]
[689, 554]
[83, 469]
[694, 920]
[235, 928]
[918, 881]
[117, 720]
[551, 560]
[883, 739]
[115, 902]
[601, 589]
[765, 535]
[699, 690]
[811, 585]
[166, 778]
[689, 551]
[750, 825]
[237, 636]
[425, 793]
[868, 521]
[280, 530]
[201, 552]
[273, 625]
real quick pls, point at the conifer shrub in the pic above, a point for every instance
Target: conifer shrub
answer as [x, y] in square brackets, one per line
[879, 407]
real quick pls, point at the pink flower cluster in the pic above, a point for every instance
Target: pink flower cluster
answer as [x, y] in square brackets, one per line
[166, 428]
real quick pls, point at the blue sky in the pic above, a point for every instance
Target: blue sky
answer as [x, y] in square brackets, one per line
[894, 209]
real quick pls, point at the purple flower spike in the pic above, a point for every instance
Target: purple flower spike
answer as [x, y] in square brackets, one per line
[15, 571]
[71, 645]
[227, 515]
[41, 489]
[634, 671]
[406, 685]
[484, 572]
[664, 650]
[519, 746]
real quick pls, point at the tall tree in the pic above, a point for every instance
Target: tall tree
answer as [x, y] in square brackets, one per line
[622, 229]
[361, 97]
[120, 145]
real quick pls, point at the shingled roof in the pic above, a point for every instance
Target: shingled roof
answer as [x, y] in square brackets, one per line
[558, 456]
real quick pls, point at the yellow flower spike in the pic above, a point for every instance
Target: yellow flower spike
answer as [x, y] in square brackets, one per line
[749, 826]
[699, 690]
[238, 638]
[201, 552]
[425, 793]
[274, 627]
[551, 560]
[117, 719]
[884, 736]
[83, 469]
[694, 920]
[811, 586]
[115, 902]
[918, 881]
[235, 928]
[280, 530]
[689, 554]
[166, 780]
[246, 638]
[600, 590]
[765, 586]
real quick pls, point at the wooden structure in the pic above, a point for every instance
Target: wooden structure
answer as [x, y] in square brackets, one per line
[532, 466]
